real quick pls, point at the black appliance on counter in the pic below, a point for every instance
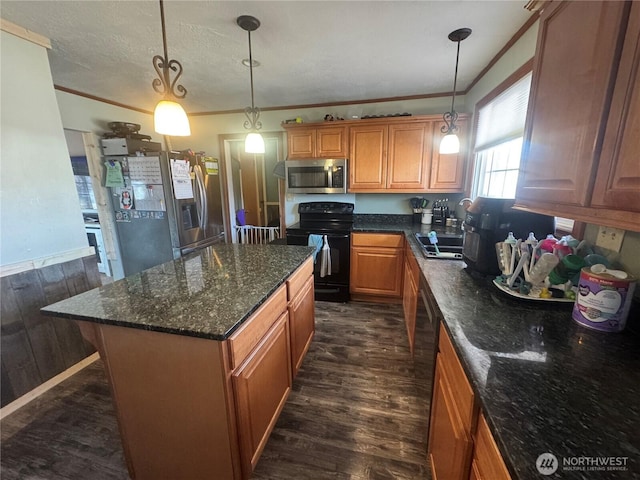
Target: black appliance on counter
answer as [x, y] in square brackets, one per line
[335, 220]
[489, 221]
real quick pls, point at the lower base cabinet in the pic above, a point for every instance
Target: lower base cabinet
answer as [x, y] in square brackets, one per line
[449, 438]
[410, 295]
[461, 446]
[302, 321]
[376, 266]
[262, 384]
[487, 462]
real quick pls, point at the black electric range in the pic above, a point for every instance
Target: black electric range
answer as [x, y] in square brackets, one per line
[335, 220]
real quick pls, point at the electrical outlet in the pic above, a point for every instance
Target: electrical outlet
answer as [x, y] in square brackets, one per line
[610, 238]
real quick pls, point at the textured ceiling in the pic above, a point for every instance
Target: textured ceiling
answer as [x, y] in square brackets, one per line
[310, 51]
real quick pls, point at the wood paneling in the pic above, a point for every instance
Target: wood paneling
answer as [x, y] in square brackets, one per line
[36, 347]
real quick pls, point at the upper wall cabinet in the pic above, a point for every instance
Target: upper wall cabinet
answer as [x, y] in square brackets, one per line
[316, 142]
[582, 134]
[618, 180]
[448, 170]
[396, 156]
[386, 155]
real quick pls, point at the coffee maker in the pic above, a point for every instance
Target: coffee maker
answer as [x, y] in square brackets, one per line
[488, 221]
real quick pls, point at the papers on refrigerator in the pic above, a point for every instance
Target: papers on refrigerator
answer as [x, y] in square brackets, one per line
[181, 179]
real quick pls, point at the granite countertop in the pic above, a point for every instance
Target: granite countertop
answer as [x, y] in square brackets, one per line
[544, 383]
[206, 294]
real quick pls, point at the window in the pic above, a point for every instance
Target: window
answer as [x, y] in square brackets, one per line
[499, 133]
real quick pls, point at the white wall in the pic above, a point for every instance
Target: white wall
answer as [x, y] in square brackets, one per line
[39, 214]
[86, 115]
[520, 53]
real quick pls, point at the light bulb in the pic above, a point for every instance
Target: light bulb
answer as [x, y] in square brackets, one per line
[254, 143]
[170, 119]
[450, 144]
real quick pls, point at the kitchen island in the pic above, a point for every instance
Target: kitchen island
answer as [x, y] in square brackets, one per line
[200, 353]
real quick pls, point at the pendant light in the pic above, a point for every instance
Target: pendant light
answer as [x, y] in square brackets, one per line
[169, 117]
[450, 142]
[254, 143]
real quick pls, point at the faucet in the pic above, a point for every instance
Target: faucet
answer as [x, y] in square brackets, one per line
[466, 199]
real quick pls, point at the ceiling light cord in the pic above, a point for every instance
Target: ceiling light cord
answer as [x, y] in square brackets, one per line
[253, 143]
[451, 117]
[163, 84]
[253, 113]
[169, 118]
[450, 142]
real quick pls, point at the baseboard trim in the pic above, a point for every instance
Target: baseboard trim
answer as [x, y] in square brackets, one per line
[52, 382]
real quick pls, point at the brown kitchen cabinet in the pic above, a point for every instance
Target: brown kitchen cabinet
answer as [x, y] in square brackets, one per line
[376, 266]
[581, 136]
[453, 415]
[618, 179]
[410, 295]
[368, 157]
[448, 171]
[301, 313]
[487, 462]
[394, 156]
[403, 156]
[262, 384]
[316, 142]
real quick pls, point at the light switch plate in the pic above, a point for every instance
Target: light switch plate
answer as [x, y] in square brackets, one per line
[610, 238]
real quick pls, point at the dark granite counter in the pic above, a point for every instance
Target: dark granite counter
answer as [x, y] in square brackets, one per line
[206, 294]
[397, 224]
[545, 383]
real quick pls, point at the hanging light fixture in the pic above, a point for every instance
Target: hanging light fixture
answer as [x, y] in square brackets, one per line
[254, 143]
[450, 142]
[169, 117]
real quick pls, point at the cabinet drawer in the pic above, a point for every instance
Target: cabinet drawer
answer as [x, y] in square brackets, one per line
[242, 342]
[486, 456]
[463, 393]
[297, 280]
[376, 240]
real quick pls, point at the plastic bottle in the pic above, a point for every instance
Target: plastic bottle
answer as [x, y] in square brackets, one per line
[543, 267]
[548, 243]
[531, 239]
[511, 240]
[561, 248]
[567, 269]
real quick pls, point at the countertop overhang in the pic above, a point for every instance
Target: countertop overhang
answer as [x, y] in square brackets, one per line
[206, 294]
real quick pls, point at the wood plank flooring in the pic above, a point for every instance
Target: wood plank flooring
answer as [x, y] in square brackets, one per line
[354, 413]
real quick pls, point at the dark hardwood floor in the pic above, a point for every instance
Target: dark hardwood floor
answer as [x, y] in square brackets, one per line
[354, 413]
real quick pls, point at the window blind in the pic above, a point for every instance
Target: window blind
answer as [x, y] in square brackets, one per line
[503, 118]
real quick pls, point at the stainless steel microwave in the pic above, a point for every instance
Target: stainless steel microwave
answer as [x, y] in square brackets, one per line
[316, 175]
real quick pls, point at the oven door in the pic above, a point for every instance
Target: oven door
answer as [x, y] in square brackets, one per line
[334, 287]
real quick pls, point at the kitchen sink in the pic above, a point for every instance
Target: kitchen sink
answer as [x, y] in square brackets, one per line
[449, 246]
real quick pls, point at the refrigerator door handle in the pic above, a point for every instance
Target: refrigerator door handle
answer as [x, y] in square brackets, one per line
[202, 197]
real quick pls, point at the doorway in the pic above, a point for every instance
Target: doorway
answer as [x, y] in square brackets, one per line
[85, 159]
[254, 195]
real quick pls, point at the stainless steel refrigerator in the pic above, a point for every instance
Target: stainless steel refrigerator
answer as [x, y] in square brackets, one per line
[159, 214]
